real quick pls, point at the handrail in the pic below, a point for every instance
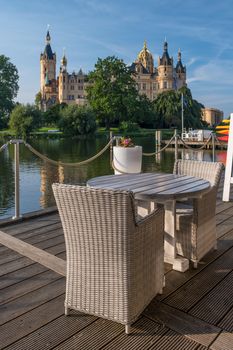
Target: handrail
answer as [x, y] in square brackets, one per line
[16, 143]
[199, 148]
[69, 164]
[162, 149]
[40, 155]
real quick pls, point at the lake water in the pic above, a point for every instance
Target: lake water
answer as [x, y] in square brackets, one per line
[36, 176]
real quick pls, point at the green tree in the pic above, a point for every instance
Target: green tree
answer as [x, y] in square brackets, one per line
[53, 114]
[192, 109]
[168, 109]
[38, 99]
[145, 113]
[8, 88]
[77, 120]
[112, 91]
[24, 119]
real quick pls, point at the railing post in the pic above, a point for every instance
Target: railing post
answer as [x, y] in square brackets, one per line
[213, 146]
[111, 148]
[157, 146]
[17, 192]
[176, 144]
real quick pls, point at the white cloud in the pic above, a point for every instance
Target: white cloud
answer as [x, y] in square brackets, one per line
[214, 71]
[191, 61]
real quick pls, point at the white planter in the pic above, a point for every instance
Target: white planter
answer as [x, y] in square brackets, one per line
[127, 159]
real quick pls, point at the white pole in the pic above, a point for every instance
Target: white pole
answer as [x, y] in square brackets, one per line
[17, 195]
[182, 115]
[229, 164]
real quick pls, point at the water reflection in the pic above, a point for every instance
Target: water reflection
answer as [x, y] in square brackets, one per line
[36, 176]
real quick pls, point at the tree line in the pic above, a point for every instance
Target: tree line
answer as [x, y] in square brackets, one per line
[113, 100]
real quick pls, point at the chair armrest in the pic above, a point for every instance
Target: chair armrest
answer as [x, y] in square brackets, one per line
[205, 207]
[155, 215]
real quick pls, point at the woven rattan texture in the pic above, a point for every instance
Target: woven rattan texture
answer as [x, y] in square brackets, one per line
[196, 230]
[114, 262]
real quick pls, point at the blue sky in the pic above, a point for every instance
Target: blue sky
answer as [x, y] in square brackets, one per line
[89, 29]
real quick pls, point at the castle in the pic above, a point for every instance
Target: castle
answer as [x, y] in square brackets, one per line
[64, 88]
[71, 88]
[150, 80]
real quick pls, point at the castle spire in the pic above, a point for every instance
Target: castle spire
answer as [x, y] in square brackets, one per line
[48, 38]
[179, 67]
[179, 56]
[63, 61]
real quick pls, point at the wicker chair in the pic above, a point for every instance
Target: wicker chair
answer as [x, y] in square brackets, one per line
[114, 262]
[196, 223]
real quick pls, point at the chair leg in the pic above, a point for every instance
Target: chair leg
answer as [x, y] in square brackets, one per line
[67, 311]
[195, 264]
[127, 328]
[162, 286]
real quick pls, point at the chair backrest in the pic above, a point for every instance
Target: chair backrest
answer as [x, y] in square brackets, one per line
[90, 214]
[210, 171]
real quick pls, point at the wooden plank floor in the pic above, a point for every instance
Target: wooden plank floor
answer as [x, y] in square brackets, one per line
[195, 311]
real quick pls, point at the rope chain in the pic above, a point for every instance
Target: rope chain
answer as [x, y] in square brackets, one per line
[194, 148]
[69, 164]
[162, 149]
[4, 146]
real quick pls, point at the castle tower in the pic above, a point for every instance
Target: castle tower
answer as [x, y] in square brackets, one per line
[48, 84]
[63, 80]
[180, 72]
[165, 70]
[146, 59]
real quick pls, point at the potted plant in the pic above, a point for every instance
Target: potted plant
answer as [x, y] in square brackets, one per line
[127, 158]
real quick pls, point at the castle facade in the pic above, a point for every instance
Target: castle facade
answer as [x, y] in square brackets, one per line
[153, 80]
[71, 88]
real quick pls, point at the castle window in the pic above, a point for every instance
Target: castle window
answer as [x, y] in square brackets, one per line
[154, 86]
[144, 86]
[165, 84]
[64, 79]
[72, 87]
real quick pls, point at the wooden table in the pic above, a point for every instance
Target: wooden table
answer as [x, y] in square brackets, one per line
[162, 188]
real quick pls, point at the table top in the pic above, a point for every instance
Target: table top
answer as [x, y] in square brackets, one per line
[157, 186]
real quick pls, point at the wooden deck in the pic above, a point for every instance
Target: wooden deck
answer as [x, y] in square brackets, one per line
[195, 311]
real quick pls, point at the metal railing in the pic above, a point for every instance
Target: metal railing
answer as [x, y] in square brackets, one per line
[176, 138]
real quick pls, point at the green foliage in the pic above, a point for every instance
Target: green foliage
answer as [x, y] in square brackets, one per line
[128, 126]
[38, 99]
[112, 91]
[53, 114]
[145, 115]
[24, 119]
[8, 88]
[77, 120]
[168, 109]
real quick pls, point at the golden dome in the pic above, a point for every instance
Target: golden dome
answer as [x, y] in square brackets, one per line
[146, 58]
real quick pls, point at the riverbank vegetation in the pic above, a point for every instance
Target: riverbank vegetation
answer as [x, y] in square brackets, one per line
[113, 101]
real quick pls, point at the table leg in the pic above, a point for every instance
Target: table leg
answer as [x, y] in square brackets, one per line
[179, 263]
